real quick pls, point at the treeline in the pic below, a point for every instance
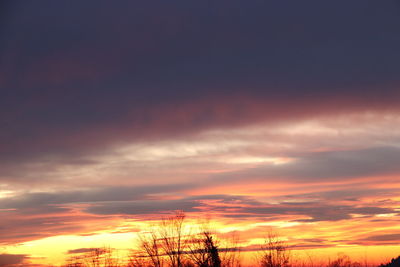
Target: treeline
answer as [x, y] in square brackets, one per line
[169, 245]
[392, 263]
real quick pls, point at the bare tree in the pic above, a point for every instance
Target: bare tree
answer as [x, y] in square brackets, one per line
[203, 251]
[343, 261]
[74, 262]
[101, 257]
[392, 263]
[171, 235]
[230, 252]
[165, 244]
[151, 246]
[197, 253]
[138, 261]
[212, 250]
[275, 252]
[97, 257]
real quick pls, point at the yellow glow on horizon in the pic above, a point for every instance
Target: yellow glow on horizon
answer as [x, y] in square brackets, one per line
[53, 249]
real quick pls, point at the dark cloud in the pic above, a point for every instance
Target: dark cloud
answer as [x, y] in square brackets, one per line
[314, 211]
[32, 216]
[143, 207]
[239, 207]
[16, 227]
[314, 240]
[383, 238]
[82, 250]
[186, 204]
[144, 200]
[11, 259]
[131, 71]
[49, 200]
[353, 194]
[332, 165]
[296, 247]
[346, 164]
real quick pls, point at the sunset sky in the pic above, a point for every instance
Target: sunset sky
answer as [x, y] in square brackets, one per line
[258, 115]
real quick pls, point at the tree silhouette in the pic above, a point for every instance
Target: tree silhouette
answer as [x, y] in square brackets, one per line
[343, 261]
[392, 263]
[275, 252]
[203, 251]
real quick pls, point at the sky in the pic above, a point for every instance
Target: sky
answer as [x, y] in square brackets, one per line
[259, 115]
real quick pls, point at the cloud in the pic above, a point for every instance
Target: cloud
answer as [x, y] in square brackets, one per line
[73, 212]
[383, 238]
[325, 166]
[186, 204]
[32, 216]
[11, 259]
[178, 69]
[354, 194]
[17, 227]
[308, 148]
[102, 194]
[314, 211]
[232, 206]
[38, 215]
[81, 250]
